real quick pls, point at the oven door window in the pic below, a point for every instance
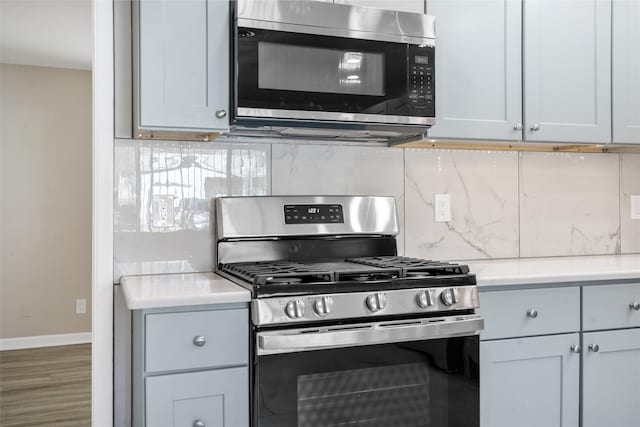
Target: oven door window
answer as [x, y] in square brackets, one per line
[417, 384]
[303, 72]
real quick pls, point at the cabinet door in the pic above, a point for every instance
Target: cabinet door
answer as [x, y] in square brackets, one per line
[530, 382]
[611, 379]
[626, 71]
[478, 69]
[567, 70]
[183, 64]
[415, 6]
[216, 398]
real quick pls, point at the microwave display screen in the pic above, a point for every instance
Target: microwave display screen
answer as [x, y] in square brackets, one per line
[422, 60]
[315, 69]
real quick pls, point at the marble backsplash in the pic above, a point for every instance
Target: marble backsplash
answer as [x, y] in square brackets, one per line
[504, 204]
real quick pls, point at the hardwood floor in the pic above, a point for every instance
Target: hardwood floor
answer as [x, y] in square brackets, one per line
[46, 386]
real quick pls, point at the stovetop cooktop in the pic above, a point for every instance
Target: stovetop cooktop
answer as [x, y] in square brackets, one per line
[278, 278]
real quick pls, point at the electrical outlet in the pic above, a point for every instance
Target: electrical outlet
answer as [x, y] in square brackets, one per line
[25, 310]
[81, 306]
[163, 214]
[442, 207]
[635, 207]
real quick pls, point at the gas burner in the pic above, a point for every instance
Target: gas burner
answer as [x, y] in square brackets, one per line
[413, 267]
[371, 277]
[417, 274]
[278, 272]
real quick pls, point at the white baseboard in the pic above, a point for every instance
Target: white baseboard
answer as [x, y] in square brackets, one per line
[44, 341]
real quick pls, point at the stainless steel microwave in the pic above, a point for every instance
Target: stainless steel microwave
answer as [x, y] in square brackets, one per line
[314, 68]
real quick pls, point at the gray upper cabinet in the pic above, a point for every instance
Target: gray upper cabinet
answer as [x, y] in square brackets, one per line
[626, 71]
[181, 64]
[567, 70]
[611, 379]
[478, 71]
[530, 382]
[415, 6]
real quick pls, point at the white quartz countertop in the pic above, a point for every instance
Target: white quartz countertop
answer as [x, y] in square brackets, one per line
[531, 271]
[171, 290]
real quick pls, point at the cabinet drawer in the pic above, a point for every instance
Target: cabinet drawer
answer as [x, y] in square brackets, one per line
[172, 339]
[530, 312]
[213, 398]
[610, 306]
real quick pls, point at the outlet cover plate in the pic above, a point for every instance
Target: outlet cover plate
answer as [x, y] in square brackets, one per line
[162, 210]
[442, 207]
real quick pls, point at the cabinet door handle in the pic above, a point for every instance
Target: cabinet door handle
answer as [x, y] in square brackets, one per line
[594, 347]
[532, 313]
[576, 348]
[199, 341]
[198, 423]
[517, 126]
[634, 306]
[221, 114]
[534, 127]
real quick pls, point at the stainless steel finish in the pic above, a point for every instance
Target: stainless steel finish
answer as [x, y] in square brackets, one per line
[269, 113]
[314, 17]
[199, 341]
[221, 114]
[634, 306]
[594, 347]
[576, 348]
[517, 126]
[323, 306]
[376, 302]
[532, 313]
[307, 339]
[351, 305]
[198, 423]
[294, 309]
[424, 299]
[263, 217]
[535, 127]
[449, 296]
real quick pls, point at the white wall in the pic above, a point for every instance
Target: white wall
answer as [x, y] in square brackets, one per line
[45, 200]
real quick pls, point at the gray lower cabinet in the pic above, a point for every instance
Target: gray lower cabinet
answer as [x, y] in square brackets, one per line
[611, 379]
[181, 65]
[200, 399]
[190, 366]
[530, 382]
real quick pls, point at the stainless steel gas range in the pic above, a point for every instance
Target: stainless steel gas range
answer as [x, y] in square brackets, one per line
[344, 331]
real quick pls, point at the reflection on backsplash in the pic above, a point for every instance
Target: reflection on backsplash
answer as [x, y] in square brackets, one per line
[161, 199]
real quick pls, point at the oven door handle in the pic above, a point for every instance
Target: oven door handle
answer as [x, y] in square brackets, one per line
[289, 341]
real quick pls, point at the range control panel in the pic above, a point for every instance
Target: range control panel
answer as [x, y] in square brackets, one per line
[313, 214]
[422, 81]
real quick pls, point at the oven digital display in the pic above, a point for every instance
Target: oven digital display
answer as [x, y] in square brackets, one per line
[422, 60]
[313, 214]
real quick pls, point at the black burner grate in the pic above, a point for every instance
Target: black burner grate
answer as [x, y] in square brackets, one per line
[413, 267]
[261, 273]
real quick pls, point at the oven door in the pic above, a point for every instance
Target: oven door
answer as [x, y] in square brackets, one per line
[417, 373]
[309, 77]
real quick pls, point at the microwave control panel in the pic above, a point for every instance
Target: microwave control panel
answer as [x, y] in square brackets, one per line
[422, 81]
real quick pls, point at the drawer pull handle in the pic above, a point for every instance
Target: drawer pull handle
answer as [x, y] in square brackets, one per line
[198, 423]
[533, 313]
[199, 341]
[576, 348]
[635, 306]
[594, 347]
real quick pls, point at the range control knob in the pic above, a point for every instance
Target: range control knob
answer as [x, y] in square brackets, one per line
[294, 309]
[424, 299]
[449, 296]
[323, 306]
[376, 302]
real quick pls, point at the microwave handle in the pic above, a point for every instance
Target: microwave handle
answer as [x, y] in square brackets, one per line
[289, 341]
